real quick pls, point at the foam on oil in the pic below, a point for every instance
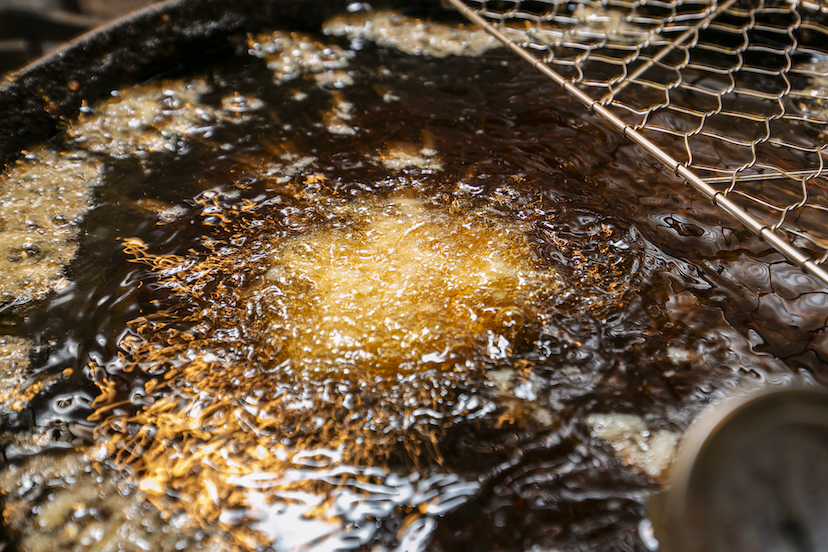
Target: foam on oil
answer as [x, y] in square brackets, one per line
[399, 285]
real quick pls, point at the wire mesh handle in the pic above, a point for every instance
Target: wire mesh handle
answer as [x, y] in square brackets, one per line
[731, 96]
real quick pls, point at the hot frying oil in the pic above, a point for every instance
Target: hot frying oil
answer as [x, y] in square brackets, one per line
[369, 291]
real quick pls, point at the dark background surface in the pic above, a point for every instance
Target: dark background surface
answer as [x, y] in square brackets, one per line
[29, 28]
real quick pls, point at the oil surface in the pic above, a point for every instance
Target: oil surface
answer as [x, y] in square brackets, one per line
[200, 312]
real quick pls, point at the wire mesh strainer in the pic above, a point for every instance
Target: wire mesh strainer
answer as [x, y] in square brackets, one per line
[732, 96]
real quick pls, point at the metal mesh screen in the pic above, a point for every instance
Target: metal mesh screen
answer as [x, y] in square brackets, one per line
[733, 95]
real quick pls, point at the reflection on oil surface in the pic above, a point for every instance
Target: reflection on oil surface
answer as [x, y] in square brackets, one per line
[418, 305]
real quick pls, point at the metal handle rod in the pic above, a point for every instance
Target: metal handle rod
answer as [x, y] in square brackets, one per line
[778, 242]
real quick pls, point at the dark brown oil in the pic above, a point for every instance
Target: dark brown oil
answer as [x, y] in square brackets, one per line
[647, 268]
